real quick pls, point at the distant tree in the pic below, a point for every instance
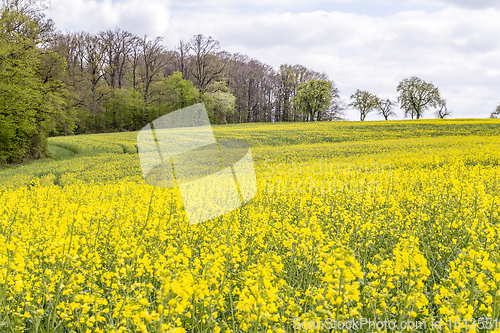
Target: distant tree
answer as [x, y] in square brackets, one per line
[134, 57]
[253, 83]
[286, 89]
[154, 58]
[173, 93]
[496, 113]
[116, 46]
[70, 46]
[336, 109]
[220, 103]
[335, 112]
[384, 107]
[125, 110]
[182, 58]
[207, 61]
[443, 111]
[416, 96]
[364, 101]
[94, 65]
[313, 97]
[287, 82]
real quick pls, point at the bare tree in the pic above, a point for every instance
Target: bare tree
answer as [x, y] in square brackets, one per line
[208, 61]
[116, 46]
[385, 108]
[268, 91]
[495, 114]
[123, 47]
[134, 57]
[236, 73]
[182, 57]
[253, 83]
[107, 39]
[336, 109]
[94, 64]
[285, 91]
[443, 112]
[154, 57]
[253, 94]
[71, 47]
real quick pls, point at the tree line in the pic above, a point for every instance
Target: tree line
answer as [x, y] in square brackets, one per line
[415, 97]
[120, 81]
[56, 83]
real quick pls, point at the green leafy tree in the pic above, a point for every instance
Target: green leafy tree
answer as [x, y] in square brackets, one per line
[219, 106]
[174, 93]
[31, 93]
[364, 101]
[416, 96]
[51, 71]
[125, 110]
[313, 96]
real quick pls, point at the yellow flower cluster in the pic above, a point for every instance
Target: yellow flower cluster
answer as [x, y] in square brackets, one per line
[387, 221]
[396, 286]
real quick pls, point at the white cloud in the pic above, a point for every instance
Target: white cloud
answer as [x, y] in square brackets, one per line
[212, 3]
[481, 4]
[151, 17]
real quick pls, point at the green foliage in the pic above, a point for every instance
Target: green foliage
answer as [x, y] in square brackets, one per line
[54, 94]
[31, 93]
[219, 102]
[417, 96]
[219, 105]
[174, 93]
[125, 110]
[312, 97]
[365, 102]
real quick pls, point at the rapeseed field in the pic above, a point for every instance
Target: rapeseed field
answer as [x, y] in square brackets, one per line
[356, 227]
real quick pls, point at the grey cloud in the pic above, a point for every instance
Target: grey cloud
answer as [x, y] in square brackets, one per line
[474, 3]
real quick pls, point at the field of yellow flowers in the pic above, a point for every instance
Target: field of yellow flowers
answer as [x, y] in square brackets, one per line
[356, 227]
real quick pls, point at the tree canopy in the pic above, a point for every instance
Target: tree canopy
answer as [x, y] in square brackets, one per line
[313, 97]
[416, 96]
[32, 95]
[364, 101]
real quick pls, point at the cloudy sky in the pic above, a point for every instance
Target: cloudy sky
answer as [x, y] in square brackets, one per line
[361, 44]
